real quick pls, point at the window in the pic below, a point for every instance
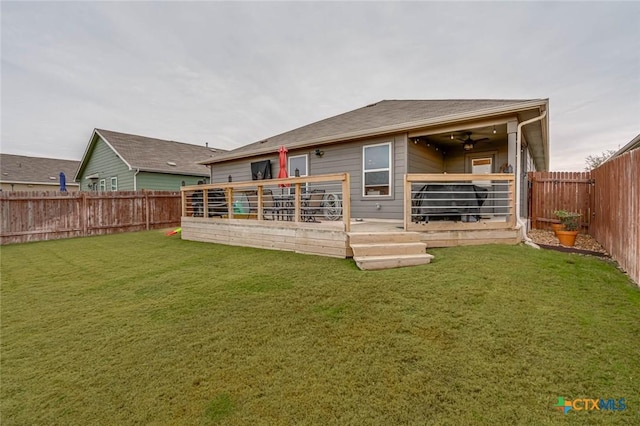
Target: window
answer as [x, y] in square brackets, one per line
[376, 170]
[298, 162]
[103, 185]
[114, 183]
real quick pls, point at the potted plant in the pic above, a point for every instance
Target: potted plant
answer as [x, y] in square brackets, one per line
[555, 227]
[570, 220]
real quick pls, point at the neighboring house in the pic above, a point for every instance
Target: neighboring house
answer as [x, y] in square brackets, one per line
[22, 173]
[116, 161]
[634, 144]
[403, 137]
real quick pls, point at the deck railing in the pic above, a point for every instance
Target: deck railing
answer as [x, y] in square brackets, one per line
[313, 199]
[459, 201]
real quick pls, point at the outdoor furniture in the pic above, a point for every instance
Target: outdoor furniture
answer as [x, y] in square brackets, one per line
[332, 206]
[216, 201]
[312, 205]
[269, 208]
[284, 206]
[461, 201]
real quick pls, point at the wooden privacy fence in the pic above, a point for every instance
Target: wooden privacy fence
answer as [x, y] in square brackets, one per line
[35, 216]
[551, 191]
[616, 219]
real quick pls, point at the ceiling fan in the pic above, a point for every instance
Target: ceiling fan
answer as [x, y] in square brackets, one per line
[469, 143]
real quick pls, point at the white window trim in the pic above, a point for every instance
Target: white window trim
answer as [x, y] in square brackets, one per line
[389, 169]
[306, 162]
[114, 187]
[103, 185]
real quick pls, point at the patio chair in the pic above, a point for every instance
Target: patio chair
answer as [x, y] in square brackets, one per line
[269, 208]
[312, 206]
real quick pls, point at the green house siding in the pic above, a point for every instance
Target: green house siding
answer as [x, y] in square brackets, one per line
[106, 163]
[165, 181]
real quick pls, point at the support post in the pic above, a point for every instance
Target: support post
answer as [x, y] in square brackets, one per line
[260, 201]
[229, 196]
[407, 201]
[183, 196]
[297, 202]
[346, 202]
[205, 202]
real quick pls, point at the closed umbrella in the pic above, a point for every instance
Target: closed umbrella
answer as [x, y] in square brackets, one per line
[63, 182]
[282, 174]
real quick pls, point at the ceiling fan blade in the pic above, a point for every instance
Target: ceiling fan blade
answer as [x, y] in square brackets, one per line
[481, 140]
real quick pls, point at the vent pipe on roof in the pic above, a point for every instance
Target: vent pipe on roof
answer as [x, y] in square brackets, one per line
[206, 144]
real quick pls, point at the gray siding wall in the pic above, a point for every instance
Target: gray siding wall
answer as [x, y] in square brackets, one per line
[424, 159]
[338, 158]
[240, 170]
[104, 161]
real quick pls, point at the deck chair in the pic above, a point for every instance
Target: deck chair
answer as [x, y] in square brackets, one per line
[312, 206]
[269, 209]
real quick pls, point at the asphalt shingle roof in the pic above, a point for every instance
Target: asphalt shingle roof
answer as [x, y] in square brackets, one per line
[383, 114]
[20, 168]
[150, 154]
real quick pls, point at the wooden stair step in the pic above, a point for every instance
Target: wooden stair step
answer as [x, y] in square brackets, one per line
[388, 249]
[384, 237]
[387, 262]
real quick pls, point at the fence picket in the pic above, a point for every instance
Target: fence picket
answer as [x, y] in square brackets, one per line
[551, 191]
[35, 216]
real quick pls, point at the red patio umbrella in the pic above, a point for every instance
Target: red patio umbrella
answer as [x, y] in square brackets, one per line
[282, 152]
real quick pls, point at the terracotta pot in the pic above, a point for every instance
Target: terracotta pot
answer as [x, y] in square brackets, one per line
[557, 227]
[567, 238]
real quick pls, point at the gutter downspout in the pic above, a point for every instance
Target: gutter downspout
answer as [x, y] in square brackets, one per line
[135, 179]
[523, 226]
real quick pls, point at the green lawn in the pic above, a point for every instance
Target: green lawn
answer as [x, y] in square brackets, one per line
[143, 328]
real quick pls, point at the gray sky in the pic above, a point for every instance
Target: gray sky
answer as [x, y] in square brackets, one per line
[234, 73]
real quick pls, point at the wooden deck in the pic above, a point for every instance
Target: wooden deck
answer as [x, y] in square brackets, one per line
[327, 238]
[209, 215]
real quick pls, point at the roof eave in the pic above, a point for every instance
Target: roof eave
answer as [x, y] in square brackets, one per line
[634, 144]
[23, 182]
[173, 172]
[92, 142]
[387, 129]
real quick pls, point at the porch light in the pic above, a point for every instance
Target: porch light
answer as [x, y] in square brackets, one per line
[494, 129]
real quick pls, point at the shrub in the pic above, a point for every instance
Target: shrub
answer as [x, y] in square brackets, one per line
[568, 219]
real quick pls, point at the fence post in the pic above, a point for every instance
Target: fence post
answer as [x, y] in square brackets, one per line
[148, 213]
[85, 214]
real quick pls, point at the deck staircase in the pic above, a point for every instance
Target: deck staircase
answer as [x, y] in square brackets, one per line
[384, 250]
